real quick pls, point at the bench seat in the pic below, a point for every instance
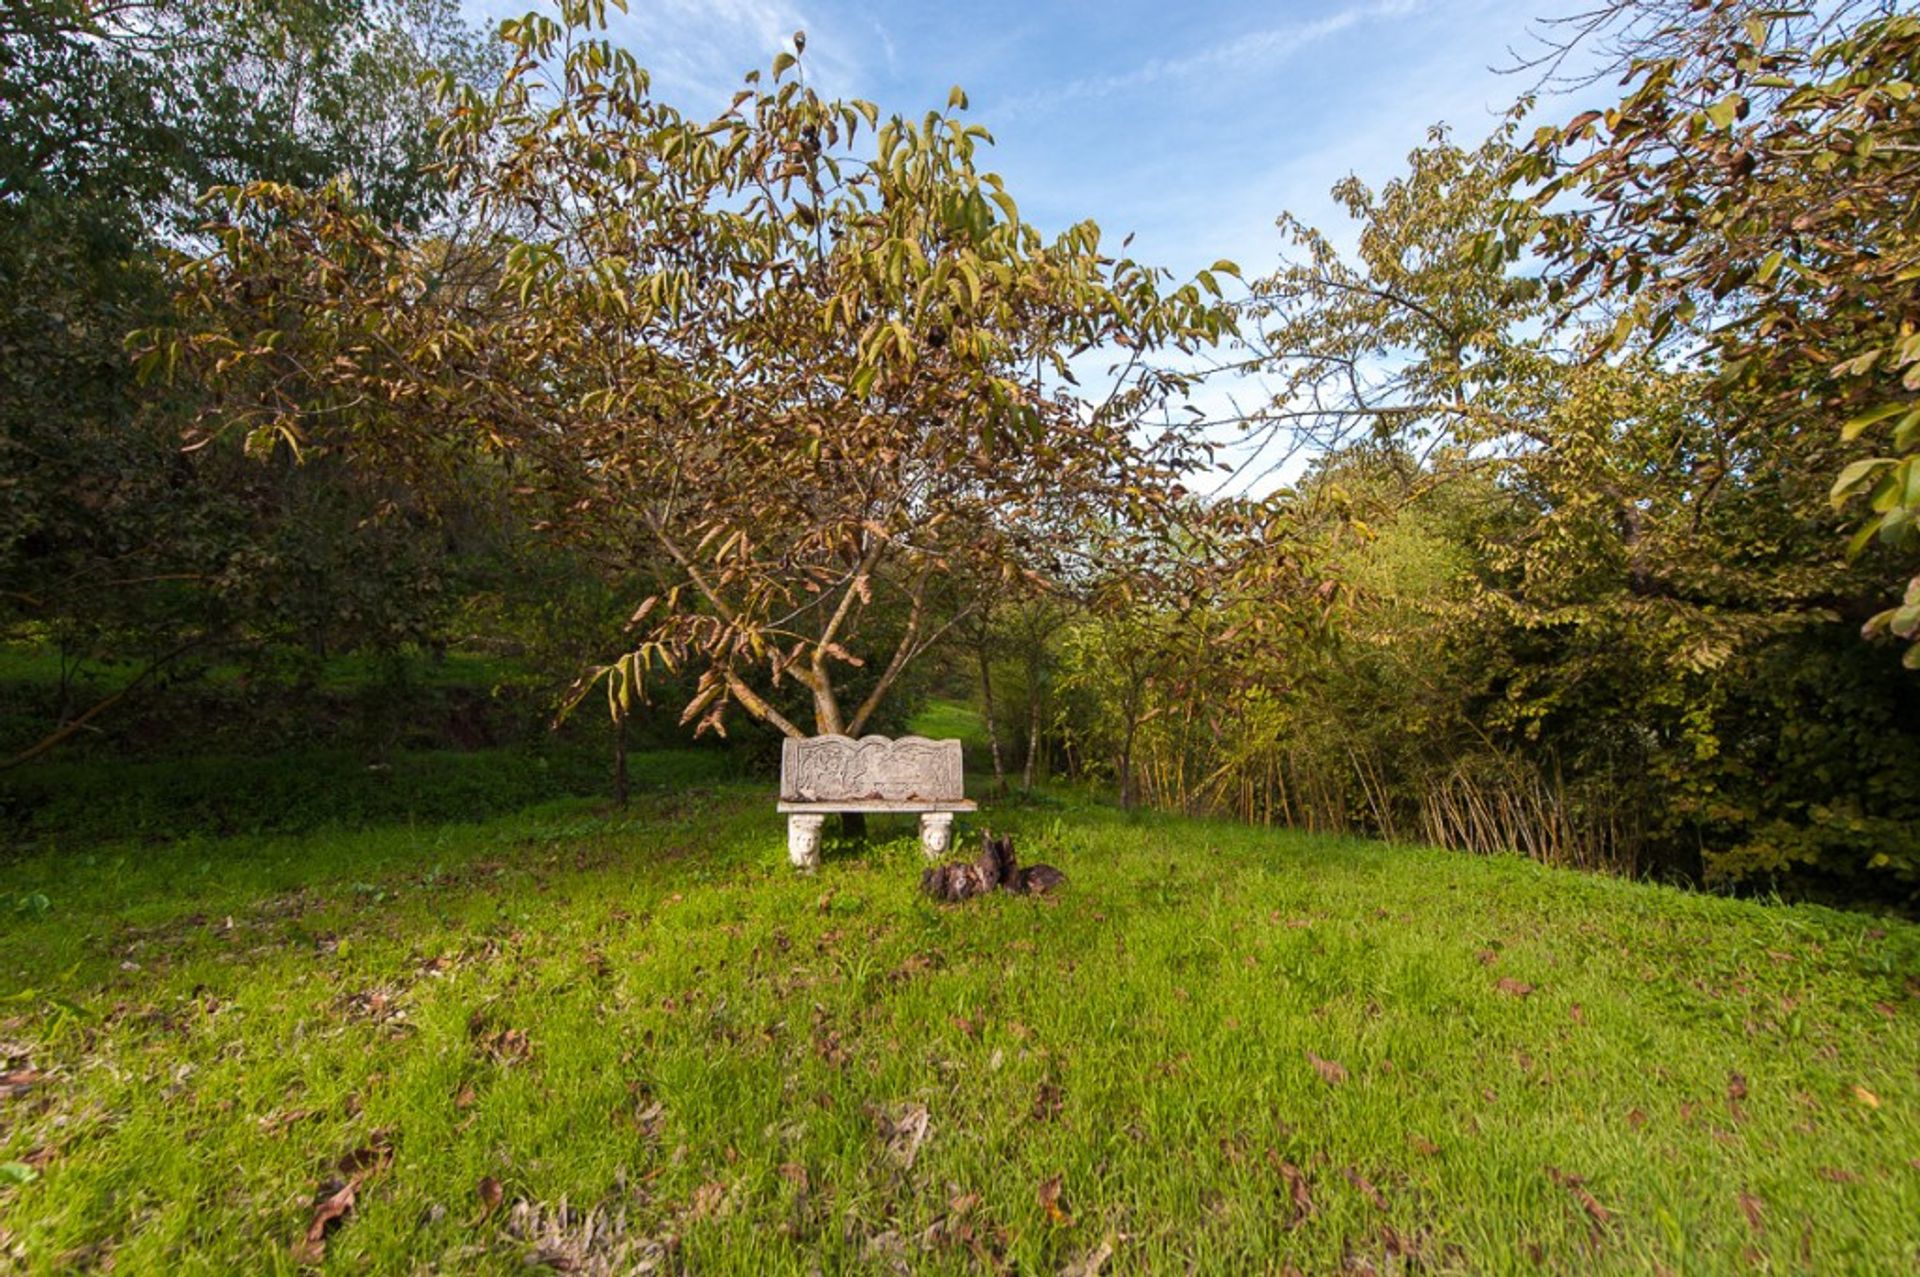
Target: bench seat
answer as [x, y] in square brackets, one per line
[908, 806]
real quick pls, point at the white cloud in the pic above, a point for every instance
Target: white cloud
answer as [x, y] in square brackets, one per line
[1245, 53]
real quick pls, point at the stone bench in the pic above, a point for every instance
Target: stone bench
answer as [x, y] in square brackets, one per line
[821, 775]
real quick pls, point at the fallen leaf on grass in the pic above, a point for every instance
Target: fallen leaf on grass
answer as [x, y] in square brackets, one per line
[490, 1193]
[1423, 1146]
[371, 1157]
[904, 1132]
[794, 1174]
[1090, 1264]
[1866, 1097]
[277, 1123]
[708, 1198]
[1835, 1175]
[18, 1082]
[1487, 957]
[327, 1214]
[506, 1045]
[1047, 1102]
[465, 1099]
[1399, 1245]
[1512, 987]
[1366, 1188]
[1750, 1206]
[1048, 1195]
[1332, 1070]
[1298, 1195]
[1736, 1087]
[1577, 1185]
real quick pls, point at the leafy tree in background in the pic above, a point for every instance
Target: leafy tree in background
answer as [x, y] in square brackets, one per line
[818, 381]
[114, 543]
[1750, 203]
[1653, 582]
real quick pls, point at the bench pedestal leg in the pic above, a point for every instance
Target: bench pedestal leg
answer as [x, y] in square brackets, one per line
[803, 841]
[936, 833]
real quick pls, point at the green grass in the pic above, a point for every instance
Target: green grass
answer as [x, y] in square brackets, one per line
[951, 720]
[659, 1041]
[75, 804]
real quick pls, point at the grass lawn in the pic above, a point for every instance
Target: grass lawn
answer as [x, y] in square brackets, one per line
[611, 1043]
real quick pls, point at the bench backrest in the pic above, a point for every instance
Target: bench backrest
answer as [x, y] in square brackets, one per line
[824, 769]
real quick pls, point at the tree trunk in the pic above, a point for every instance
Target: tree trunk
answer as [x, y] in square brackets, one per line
[1127, 796]
[1030, 763]
[827, 722]
[993, 731]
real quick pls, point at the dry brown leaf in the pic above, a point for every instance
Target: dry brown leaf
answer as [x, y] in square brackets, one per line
[1512, 987]
[1736, 1087]
[465, 1099]
[1487, 957]
[1048, 1194]
[1047, 1102]
[1577, 1185]
[370, 1158]
[277, 1123]
[708, 1198]
[1366, 1188]
[904, 1132]
[490, 1193]
[795, 1174]
[327, 1214]
[1750, 1206]
[1866, 1097]
[1090, 1264]
[1332, 1070]
[1423, 1146]
[1298, 1195]
[1835, 1175]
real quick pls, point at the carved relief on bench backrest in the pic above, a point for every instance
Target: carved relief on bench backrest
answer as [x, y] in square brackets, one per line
[823, 769]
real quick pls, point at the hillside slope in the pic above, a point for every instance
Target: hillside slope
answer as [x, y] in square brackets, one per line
[609, 1041]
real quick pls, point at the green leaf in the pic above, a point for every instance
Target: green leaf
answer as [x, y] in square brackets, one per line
[1858, 542]
[17, 1173]
[1907, 432]
[783, 62]
[1856, 426]
[1853, 477]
